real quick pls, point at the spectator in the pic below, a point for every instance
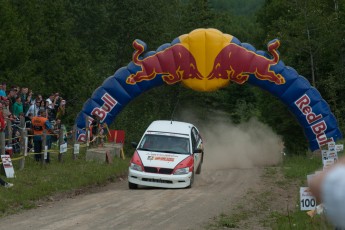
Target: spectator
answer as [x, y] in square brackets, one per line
[58, 127]
[12, 98]
[42, 105]
[16, 133]
[6, 108]
[28, 126]
[61, 110]
[39, 124]
[5, 184]
[18, 107]
[57, 102]
[50, 106]
[24, 96]
[94, 127]
[3, 90]
[34, 108]
[38, 98]
[49, 101]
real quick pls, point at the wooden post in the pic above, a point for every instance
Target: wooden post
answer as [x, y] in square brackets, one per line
[2, 143]
[23, 135]
[9, 131]
[23, 147]
[74, 156]
[61, 141]
[44, 143]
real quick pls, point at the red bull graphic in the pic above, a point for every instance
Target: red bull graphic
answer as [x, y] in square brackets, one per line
[206, 60]
[319, 128]
[178, 64]
[109, 104]
[237, 63]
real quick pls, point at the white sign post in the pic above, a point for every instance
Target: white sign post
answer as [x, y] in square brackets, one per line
[63, 148]
[7, 163]
[25, 146]
[46, 152]
[76, 149]
[307, 200]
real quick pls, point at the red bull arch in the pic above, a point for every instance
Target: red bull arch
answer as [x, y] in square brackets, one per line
[206, 60]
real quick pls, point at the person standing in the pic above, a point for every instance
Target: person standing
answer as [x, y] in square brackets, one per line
[33, 109]
[3, 90]
[61, 110]
[18, 107]
[39, 124]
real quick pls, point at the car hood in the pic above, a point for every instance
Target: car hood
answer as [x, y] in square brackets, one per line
[161, 160]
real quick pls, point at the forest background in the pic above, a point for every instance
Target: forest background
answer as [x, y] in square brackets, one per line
[72, 46]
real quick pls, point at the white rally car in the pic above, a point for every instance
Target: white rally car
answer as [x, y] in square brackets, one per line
[168, 155]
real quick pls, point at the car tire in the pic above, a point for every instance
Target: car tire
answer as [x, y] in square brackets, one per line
[191, 181]
[132, 186]
[198, 170]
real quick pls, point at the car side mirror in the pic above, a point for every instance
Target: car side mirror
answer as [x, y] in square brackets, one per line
[134, 144]
[197, 150]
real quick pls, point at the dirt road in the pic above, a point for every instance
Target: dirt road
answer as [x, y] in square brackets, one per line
[229, 171]
[146, 208]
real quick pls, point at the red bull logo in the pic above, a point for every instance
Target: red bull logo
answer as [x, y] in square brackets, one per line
[174, 64]
[108, 105]
[205, 64]
[319, 128]
[236, 64]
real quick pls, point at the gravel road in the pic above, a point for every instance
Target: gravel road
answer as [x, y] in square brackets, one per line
[117, 207]
[233, 164]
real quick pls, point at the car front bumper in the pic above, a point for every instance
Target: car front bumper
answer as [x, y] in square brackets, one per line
[159, 180]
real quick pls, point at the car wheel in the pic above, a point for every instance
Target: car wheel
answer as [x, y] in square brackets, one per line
[132, 186]
[191, 181]
[198, 170]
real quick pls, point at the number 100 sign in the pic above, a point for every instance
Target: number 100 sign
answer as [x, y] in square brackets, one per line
[307, 200]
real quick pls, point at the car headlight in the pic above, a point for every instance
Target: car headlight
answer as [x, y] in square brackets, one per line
[181, 171]
[136, 167]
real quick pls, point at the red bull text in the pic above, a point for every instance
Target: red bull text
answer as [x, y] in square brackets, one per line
[109, 104]
[319, 128]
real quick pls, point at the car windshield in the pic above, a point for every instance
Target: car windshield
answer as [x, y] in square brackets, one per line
[163, 143]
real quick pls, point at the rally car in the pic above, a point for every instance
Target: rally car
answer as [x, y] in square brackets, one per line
[168, 155]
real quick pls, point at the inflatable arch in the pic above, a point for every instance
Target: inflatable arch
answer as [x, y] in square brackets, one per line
[206, 60]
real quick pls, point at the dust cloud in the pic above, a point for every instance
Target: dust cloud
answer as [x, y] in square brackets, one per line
[246, 145]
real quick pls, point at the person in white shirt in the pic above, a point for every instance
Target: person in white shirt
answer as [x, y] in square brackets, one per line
[33, 109]
[49, 102]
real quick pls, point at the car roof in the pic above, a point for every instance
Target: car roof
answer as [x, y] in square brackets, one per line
[165, 126]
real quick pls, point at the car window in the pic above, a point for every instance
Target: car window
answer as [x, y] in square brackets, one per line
[165, 143]
[196, 139]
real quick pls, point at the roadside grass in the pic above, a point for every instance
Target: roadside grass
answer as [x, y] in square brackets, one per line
[294, 170]
[37, 183]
